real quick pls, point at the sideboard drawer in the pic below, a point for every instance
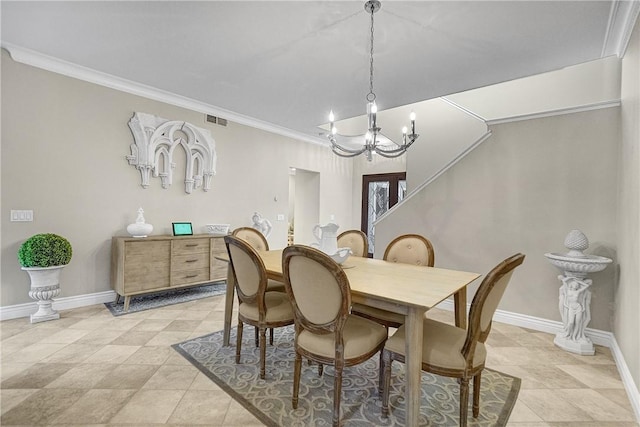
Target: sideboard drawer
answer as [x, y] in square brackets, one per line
[194, 261]
[189, 246]
[189, 276]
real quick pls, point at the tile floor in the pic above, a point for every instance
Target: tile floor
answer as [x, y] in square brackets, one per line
[90, 368]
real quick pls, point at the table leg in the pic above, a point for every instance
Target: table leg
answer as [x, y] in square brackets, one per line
[228, 306]
[413, 364]
[460, 308]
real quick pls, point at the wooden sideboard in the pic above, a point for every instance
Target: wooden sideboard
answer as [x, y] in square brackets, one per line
[156, 263]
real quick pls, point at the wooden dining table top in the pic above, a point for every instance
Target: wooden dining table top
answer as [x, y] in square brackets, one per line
[418, 286]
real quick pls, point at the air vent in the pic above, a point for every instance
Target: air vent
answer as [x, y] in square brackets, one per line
[217, 120]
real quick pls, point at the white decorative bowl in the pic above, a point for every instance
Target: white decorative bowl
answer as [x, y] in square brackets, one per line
[218, 229]
[342, 255]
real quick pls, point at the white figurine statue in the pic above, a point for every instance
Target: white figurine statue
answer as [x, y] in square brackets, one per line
[140, 228]
[261, 224]
[574, 306]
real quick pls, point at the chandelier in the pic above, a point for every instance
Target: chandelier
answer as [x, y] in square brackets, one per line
[374, 141]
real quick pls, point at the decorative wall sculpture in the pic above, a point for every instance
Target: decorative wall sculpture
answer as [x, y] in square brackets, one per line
[155, 142]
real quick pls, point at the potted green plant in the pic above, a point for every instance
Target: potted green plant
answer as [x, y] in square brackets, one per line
[43, 256]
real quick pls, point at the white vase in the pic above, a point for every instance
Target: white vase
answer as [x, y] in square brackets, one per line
[140, 228]
[45, 285]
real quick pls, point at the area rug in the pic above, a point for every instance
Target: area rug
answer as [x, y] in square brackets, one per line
[164, 298]
[270, 399]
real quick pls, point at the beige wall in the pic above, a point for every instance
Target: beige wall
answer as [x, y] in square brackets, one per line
[523, 190]
[627, 292]
[64, 143]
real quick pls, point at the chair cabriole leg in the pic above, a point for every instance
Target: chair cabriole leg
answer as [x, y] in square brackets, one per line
[386, 362]
[464, 401]
[337, 393]
[297, 367]
[263, 351]
[476, 395]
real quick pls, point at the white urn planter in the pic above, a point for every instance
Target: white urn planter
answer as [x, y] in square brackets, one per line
[575, 297]
[45, 285]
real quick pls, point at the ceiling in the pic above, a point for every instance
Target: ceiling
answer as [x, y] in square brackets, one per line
[283, 65]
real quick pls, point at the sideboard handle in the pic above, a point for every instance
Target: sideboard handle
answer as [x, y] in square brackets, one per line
[191, 260]
[190, 276]
[191, 245]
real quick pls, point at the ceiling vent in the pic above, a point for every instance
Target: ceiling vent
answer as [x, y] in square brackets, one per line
[217, 120]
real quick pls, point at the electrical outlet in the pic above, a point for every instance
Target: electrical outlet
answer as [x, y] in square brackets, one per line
[280, 217]
[21, 215]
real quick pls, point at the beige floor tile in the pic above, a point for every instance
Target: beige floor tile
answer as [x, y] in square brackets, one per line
[168, 338]
[99, 337]
[599, 408]
[201, 407]
[127, 377]
[553, 405]
[95, 407]
[73, 353]
[120, 324]
[37, 375]
[92, 324]
[176, 358]
[154, 325]
[149, 406]
[134, 337]
[7, 370]
[149, 355]
[65, 336]
[183, 325]
[165, 314]
[209, 326]
[82, 376]
[113, 354]
[194, 315]
[527, 424]
[549, 376]
[33, 353]
[595, 376]
[522, 413]
[202, 382]
[9, 398]
[172, 377]
[617, 396]
[238, 416]
[41, 407]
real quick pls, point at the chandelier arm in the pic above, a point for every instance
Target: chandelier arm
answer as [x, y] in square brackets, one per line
[335, 146]
[341, 154]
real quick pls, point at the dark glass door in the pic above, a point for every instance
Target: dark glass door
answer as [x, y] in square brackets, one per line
[379, 193]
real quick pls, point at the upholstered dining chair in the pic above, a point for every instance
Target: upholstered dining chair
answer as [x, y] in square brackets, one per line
[257, 306]
[356, 240]
[256, 239]
[407, 249]
[325, 332]
[455, 352]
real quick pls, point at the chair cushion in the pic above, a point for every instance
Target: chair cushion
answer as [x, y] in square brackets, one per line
[278, 308]
[384, 315]
[275, 286]
[360, 337]
[441, 345]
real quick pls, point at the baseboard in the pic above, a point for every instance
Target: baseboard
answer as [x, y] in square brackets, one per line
[598, 337]
[625, 375]
[64, 303]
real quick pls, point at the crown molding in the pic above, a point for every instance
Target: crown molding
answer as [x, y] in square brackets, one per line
[69, 69]
[556, 112]
[622, 18]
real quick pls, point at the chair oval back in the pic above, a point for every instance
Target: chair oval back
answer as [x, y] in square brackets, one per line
[356, 240]
[318, 288]
[410, 249]
[252, 236]
[248, 270]
[486, 300]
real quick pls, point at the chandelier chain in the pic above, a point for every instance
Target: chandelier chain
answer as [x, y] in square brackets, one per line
[371, 96]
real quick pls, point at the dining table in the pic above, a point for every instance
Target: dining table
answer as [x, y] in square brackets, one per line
[407, 289]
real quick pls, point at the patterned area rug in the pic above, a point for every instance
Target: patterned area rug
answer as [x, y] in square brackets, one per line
[162, 299]
[270, 399]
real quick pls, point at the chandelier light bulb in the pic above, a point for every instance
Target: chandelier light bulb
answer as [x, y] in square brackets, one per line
[331, 116]
[374, 108]
[404, 130]
[334, 130]
[412, 116]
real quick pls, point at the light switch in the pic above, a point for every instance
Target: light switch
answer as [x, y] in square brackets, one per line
[21, 215]
[280, 217]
